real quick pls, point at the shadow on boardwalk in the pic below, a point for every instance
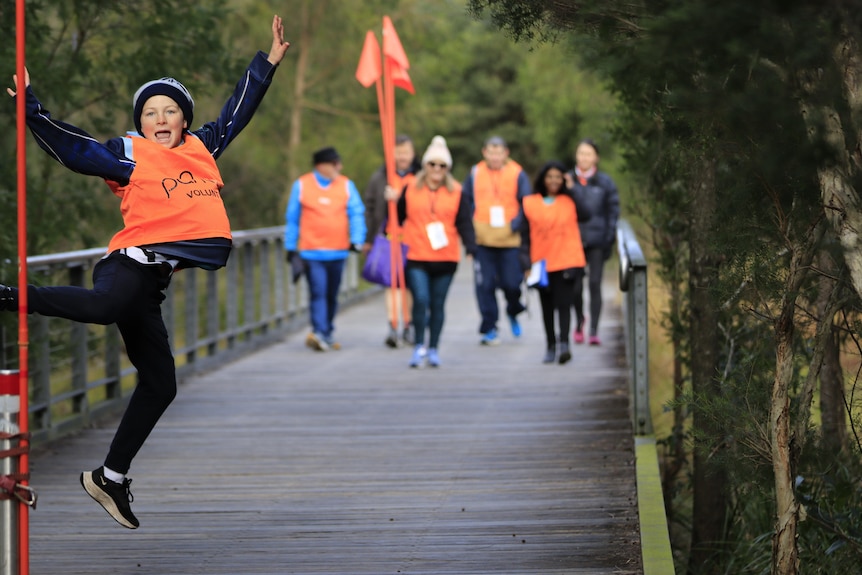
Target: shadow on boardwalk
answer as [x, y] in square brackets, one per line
[291, 461]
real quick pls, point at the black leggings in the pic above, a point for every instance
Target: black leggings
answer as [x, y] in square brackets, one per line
[129, 294]
[596, 264]
[556, 299]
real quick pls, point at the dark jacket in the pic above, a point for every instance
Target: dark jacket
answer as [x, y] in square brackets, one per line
[375, 203]
[600, 199]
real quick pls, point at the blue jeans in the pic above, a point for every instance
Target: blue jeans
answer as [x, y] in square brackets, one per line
[497, 268]
[324, 279]
[429, 302]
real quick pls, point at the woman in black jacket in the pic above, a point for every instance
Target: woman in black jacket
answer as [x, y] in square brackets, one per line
[598, 234]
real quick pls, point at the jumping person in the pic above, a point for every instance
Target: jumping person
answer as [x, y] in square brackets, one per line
[166, 227]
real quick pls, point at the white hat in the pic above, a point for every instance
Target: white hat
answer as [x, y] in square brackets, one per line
[437, 150]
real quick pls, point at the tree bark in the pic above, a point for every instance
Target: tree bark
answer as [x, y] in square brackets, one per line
[832, 413]
[299, 87]
[709, 481]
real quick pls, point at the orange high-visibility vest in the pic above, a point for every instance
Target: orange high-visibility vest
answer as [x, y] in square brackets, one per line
[323, 221]
[554, 233]
[425, 207]
[496, 188]
[400, 183]
[173, 194]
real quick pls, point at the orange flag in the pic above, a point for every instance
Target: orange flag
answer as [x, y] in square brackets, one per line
[400, 78]
[368, 71]
[392, 44]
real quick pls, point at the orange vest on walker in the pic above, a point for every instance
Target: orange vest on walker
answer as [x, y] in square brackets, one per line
[554, 233]
[323, 221]
[173, 195]
[496, 188]
[399, 184]
[425, 207]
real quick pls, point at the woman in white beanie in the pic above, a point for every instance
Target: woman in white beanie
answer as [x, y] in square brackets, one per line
[434, 214]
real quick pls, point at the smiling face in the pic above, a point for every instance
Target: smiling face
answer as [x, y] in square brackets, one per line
[586, 157]
[553, 181]
[436, 173]
[162, 121]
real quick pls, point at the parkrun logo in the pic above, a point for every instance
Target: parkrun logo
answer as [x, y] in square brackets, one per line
[190, 186]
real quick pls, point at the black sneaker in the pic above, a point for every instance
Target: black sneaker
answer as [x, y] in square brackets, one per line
[8, 299]
[114, 497]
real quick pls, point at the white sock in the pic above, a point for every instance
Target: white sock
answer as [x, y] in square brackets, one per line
[112, 475]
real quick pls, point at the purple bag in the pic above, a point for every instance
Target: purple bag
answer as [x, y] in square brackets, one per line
[378, 262]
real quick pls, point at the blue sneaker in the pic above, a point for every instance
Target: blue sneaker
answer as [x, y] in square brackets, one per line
[516, 327]
[433, 358]
[491, 338]
[419, 355]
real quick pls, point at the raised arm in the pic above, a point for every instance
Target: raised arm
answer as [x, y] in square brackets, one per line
[247, 96]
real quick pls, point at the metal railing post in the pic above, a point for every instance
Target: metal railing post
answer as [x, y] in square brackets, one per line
[633, 282]
[10, 407]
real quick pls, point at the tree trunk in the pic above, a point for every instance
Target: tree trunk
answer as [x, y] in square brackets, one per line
[787, 441]
[298, 104]
[832, 414]
[785, 555]
[840, 198]
[709, 482]
[677, 456]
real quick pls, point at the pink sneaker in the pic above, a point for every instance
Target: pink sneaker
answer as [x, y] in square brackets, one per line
[594, 340]
[578, 335]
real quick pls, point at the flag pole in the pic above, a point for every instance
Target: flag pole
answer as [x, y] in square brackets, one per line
[23, 338]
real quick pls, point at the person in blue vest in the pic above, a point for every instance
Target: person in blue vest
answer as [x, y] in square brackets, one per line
[325, 221]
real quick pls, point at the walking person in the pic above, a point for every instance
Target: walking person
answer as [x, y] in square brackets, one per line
[170, 190]
[598, 234]
[325, 221]
[495, 188]
[551, 235]
[434, 213]
[376, 213]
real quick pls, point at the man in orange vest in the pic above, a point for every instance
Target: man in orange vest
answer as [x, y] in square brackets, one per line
[496, 187]
[325, 222]
[376, 212]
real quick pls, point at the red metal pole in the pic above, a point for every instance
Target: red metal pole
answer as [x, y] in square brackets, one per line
[23, 340]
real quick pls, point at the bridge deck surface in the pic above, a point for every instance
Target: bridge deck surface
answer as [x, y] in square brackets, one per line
[348, 462]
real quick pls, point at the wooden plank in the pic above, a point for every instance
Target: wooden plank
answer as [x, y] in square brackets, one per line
[291, 461]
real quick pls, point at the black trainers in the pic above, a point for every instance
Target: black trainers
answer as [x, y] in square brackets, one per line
[8, 299]
[114, 497]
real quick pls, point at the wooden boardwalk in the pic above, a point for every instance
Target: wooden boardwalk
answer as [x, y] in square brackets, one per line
[291, 461]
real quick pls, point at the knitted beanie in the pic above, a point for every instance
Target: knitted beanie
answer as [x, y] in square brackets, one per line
[163, 87]
[437, 151]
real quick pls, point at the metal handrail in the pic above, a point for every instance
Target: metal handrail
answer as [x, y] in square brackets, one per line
[655, 537]
[633, 283]
[78, 372]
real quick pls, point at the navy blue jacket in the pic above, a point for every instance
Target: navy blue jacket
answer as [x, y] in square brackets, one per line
[601, 200]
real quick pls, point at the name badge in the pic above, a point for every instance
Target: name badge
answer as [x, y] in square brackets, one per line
[437, 235]
[498, 217]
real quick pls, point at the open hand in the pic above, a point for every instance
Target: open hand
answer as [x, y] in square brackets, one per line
[279, 46]
[391, 194]
[15, 81]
